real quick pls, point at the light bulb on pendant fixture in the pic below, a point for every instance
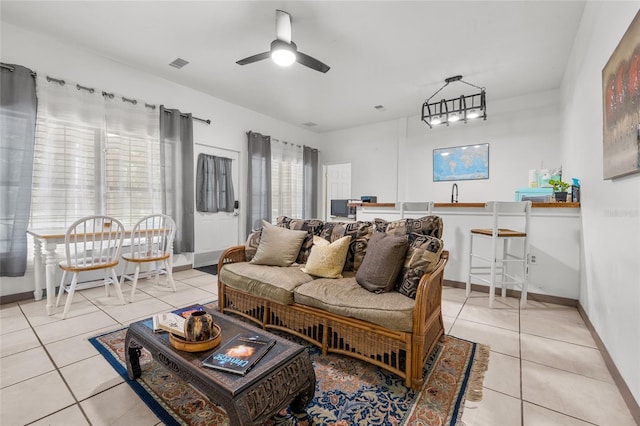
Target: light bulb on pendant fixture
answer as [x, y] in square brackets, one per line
[435, 120]
[453, 118]
[473, 114]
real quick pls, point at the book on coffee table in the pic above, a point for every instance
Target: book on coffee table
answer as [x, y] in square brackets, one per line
[173, 321]
[168, 321]
[239, 354]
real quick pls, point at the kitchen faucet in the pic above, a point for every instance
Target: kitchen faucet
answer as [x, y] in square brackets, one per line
[454, 187]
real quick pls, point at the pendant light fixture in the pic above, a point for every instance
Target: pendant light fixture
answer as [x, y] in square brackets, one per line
[445, 111]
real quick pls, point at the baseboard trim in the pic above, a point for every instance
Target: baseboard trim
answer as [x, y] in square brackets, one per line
[631, 402]
[545, 298]
[19, 297]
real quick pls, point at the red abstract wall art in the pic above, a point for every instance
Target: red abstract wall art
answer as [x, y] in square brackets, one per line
[621, 106]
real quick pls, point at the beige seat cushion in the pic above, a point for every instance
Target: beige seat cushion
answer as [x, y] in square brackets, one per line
[347, 298]
[273, 283]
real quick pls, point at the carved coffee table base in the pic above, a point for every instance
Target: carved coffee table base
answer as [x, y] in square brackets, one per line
[260, 395]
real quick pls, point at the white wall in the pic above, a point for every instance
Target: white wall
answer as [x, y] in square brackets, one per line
[394, 159]
[522, 133]
[372, 151]
[610, 281]
[229, 122]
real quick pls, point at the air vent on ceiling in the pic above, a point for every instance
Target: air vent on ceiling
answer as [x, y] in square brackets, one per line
[309, 124]
[179, 63]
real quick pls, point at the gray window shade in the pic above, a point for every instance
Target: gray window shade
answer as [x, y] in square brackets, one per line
[214, 186]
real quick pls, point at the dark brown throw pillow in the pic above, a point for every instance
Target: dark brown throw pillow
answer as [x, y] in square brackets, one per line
[382, 262]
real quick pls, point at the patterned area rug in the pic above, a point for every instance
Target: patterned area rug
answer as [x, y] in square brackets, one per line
[348, 391]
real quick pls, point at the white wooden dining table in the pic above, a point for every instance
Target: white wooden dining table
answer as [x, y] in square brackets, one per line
[45, 242]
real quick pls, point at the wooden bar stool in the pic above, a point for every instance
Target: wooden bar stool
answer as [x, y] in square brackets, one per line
[493, 267]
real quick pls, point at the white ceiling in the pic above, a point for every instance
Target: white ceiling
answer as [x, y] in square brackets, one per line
[391, 53]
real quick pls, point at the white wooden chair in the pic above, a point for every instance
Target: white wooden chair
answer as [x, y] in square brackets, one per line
[151, 242]
[494, 265]
[91, 243]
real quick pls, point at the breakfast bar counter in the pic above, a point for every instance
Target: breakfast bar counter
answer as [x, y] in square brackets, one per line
[555, 240]
[461, 205]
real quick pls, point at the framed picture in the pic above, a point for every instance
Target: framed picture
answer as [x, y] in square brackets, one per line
[461, 163]
[621, 106]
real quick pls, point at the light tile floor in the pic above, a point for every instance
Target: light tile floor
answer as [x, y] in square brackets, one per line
[544, 367]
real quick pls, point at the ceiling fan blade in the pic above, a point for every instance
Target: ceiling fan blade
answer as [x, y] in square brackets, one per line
[312, 63]
[254, 58]
[283, 26]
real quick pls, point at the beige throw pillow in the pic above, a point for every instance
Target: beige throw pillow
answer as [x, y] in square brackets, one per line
[327, 259]
[278, 246]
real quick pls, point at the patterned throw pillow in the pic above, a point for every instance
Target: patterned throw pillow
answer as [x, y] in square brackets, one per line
[422, 257]
[327, 259]
[312, 226]
[427, 225]
[360, 232]
[251, 246]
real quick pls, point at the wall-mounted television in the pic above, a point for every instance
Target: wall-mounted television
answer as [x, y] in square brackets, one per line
[340, 208]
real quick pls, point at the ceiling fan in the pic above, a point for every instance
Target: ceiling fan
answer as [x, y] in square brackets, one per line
[283, 51]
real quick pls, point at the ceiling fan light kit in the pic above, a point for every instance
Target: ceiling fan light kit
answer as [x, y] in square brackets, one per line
[283, 54]
[283, 51]
[463, 108]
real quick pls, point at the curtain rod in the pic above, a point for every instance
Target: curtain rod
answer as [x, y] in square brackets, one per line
[183, 115]
[110, 95]
[286, 143]
[10, 68]
[130, 100]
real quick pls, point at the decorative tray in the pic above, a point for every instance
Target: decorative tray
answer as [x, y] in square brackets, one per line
[198, 346]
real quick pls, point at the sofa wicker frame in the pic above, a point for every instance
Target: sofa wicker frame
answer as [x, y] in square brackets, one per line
[399, 352]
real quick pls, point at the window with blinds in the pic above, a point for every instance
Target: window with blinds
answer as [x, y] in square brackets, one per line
[132, 177]
[66, 173]
[94, 156]
[286, 180]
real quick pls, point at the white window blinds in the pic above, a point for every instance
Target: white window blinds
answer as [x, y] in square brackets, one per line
[286, 179]
[94, 154]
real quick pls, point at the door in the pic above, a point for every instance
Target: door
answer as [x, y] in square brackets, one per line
[337, 185]
[215, 232]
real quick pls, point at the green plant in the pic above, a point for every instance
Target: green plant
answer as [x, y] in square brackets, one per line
[558, 185]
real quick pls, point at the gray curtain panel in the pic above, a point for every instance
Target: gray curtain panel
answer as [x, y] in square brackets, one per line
[17, 140]
[258, 181]
[214, 186]
[310, 182]
[176, 145]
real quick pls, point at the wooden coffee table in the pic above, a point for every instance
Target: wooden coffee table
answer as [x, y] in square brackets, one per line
[284, 377]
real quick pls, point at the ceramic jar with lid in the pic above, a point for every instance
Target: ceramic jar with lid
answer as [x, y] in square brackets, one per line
[199, 326]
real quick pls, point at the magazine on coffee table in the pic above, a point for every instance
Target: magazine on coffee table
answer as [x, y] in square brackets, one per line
[239, 354]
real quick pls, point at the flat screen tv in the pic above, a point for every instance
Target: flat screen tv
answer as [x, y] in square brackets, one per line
[340, 208]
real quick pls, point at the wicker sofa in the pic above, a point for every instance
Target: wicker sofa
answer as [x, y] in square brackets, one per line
[390, 330]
